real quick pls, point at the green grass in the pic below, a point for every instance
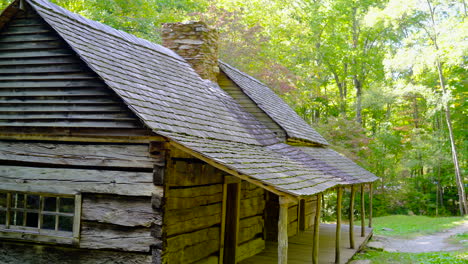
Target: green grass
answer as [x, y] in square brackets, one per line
[458, 238]
[411, 226]
[378, 257]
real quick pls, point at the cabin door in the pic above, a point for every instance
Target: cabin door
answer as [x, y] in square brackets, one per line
[231, 221]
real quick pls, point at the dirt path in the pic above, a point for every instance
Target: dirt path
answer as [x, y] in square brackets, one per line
[435, 242]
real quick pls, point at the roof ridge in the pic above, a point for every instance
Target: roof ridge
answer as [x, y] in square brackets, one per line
[103, 28]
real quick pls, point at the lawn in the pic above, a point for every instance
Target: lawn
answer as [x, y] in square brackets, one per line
[379, 257]
[411, 226]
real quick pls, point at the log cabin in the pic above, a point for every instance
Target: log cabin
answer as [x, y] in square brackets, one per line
[114, 149]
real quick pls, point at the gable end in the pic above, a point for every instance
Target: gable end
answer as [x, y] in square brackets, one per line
[43, 82]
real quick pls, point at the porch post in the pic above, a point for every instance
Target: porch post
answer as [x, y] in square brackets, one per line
[363, 213]
[316, 229]
[351, 217]
[371, 194]
[338, 224]
[283, 230]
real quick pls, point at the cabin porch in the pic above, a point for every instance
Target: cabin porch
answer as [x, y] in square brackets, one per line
[300, 246]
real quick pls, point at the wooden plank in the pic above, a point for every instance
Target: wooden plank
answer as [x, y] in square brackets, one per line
[252, 206]
[70, 181]
[191, 247]
[29, 69]
[104, 236]
[283, 230]
[62, 108]
[250, 228]
[363, 213]
[49, 76]
[223, 225]
[14, 252]
[31, 45]
[250, 248]
[36, 37]
[96, 155]
[315, 245]
[232, 223]
[119, 210]
[33, 54]
[188, 220]
[351, 217]
[371, 191]
[194, 173]
[302, 218]
[38, 61]
[57, 84]
[194, 196]
[338, 225]
[79, 92]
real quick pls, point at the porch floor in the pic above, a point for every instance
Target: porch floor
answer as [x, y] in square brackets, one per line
[300, 246]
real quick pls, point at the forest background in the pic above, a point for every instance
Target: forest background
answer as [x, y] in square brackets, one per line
[384, 81]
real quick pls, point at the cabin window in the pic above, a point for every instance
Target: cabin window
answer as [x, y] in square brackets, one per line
[40, 217]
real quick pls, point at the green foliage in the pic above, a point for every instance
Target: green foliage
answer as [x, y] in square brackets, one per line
[378, 257]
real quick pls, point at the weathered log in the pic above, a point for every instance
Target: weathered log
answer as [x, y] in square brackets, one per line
[35, 253]
[191, 247]
[283, 230]
[338, 225]
[105, 236]
[194, 196]
[250, 228]
[119, 210]
[351, 217]
[252, 206]
[118, 156]
[70, 181]
[188, 220]
[363, 212]
[315, 245]
[371, 194]
[191, 173]
[250, 248]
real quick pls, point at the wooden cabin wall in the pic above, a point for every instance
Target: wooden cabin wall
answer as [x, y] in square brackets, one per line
[293, 219]
[309, 211]
[116, 184]
[251, 222]
[192, 210]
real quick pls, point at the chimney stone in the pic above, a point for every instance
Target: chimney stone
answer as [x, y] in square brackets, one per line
[196, 43]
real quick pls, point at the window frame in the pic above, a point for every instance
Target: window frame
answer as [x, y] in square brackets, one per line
[37, 234]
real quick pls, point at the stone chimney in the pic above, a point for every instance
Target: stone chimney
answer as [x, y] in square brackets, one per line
[196, 43]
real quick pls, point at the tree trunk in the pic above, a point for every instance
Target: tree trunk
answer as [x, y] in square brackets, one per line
[458, 177]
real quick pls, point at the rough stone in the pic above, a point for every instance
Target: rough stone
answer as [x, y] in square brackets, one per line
[375, 245]
[361, 261]
[196, 43]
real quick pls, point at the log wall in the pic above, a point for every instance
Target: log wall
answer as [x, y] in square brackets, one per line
[192, 210]
[116, 186]
[251, 223]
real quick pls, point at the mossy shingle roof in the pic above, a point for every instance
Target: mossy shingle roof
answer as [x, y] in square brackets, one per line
[170, 98]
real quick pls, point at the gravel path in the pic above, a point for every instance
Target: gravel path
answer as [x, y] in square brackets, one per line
[435, 242]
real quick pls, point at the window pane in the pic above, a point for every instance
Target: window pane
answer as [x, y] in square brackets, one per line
[2, 217]
[17, 219]
[17, 200]
[32, 219]
[32, 201]
[67, 205]
[50, 204]
[48, 222]
[3, 200]
[66, 223]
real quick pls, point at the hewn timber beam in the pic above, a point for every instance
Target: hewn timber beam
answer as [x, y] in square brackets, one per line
[339, 197]
[363, 213]
[231, 171]
[284, 202]
[315, 246]
[371, 194]
[351, 217]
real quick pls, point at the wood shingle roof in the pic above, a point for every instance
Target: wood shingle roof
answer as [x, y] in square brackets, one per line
[169, 97]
